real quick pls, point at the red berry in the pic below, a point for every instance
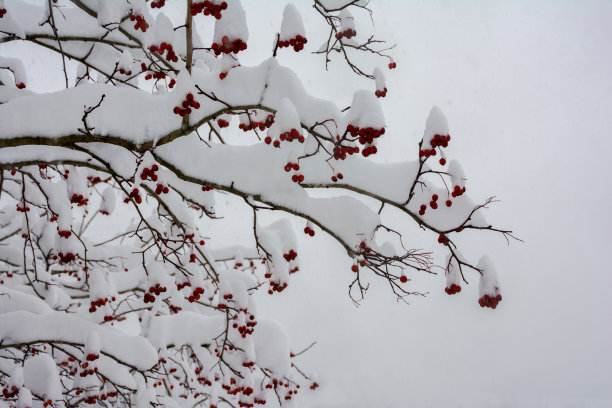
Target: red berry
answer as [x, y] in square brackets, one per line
[449, 203]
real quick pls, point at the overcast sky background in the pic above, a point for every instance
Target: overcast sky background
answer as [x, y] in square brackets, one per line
[526, 88]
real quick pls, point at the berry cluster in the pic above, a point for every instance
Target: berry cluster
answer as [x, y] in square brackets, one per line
[290, 256]
[337, 177]
[276, 287]
[64, 258]
[254, 124]
[135, 195]
[297, 43]
[297, 177]
[140, 22]
[157, 75]
[196, 294]
[92, 357]
[309, 231]
[158, 4]
[20, 85]
[187, 104]
[381, 94]
[98, 303]
[170, 56]
[181, 285]
[206, 188]
[228, 46]
[94, 180]
[340, 151]
[160, 189]
[85, 372]
[208, 8]
[366, 137]
[489, 301]
[48, 402]
[348, 33]
[291, 166]
[123, 71]
[149, 173]
[222, 123]
[22, 209]
[392, 65]
[458, 191]
[64, 233]
[436, 141]
[442, 240]
[452, 289]
[78, 200]
[14, 390]
[248, 327]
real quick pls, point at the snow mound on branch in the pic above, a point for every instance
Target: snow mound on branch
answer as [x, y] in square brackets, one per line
[40, 375]
[292, 24]
[365, 111]
[488, 284]
[436, 124]
[233, 23]
[286, 118]
[456, 172]
[24, 327]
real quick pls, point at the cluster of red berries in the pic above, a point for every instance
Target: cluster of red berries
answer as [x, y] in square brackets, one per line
[206, 188]
[227, 46]
[340, 152]
[290, 256]
[314, 386]
[489, 301]
[85, 372]
[14, 390]
[157, 75]
[22, 209]
[134, 194]
[458, 191]
[98, 303]
[187, 104]
[297, 43]
[161, 189]
[291, 166]
[276, 287]
[381, 94]
[261, 125]
[442, 240]
[65, 258]
[140, 22]
[170, 56]
[452, 289]
[204, 381]
[436, 141]
[78, 200]
[149, 173]
[92, 357]
[64, 233]
[208, 8]
[366, 136]
[2, 12]
[222, 123]
[197, 292]
[20, 85]
[123, 71]
[309, 231]
[182, 285]
[337, 177]
[48, 402]
[94, 180]
[348, 33]
[297, 178]
[158, 4]
[392, 65]
[192, 258]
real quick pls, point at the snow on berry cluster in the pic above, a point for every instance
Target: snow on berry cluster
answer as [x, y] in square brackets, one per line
[292, 33]
[347, 25]
[163, 47]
